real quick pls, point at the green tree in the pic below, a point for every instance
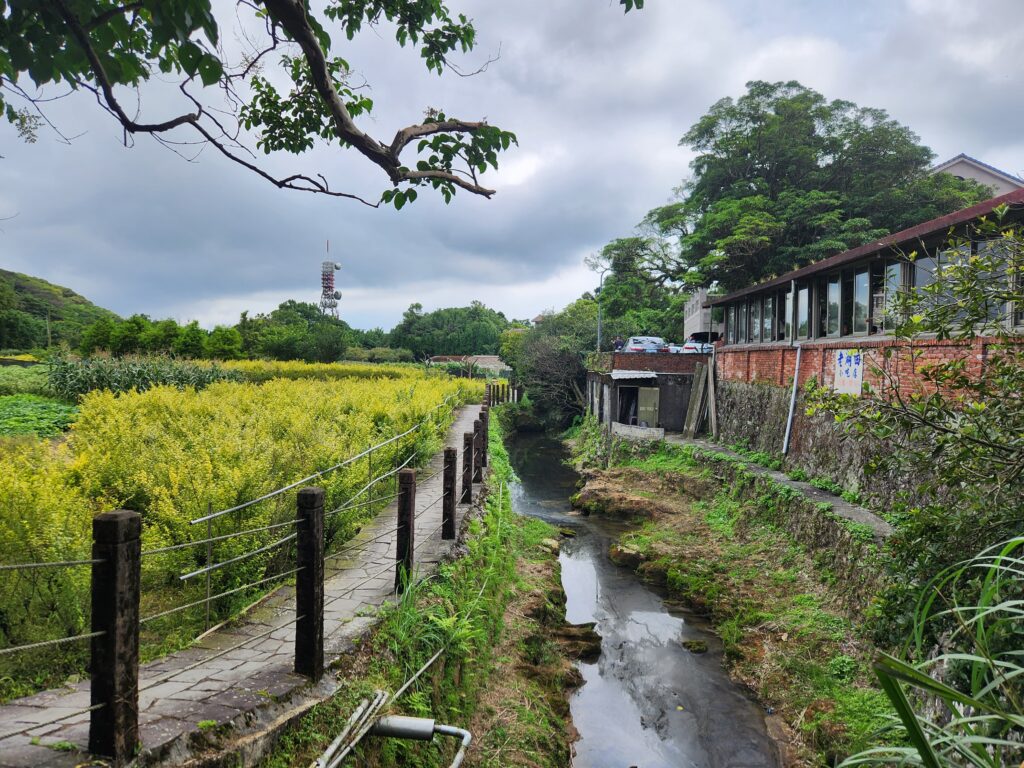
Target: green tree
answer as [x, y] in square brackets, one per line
[223, 343]
[97, 336]
[286, 92]
[191, 342]
[160, 336]
[784, 177]
[126, 337]
[472, 330]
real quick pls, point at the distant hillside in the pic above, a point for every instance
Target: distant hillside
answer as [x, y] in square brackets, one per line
[25, 302]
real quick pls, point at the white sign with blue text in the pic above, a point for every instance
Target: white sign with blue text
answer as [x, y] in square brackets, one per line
[849, 377]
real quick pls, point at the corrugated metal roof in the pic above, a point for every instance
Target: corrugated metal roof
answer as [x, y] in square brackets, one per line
[634, 375]
[887, 243]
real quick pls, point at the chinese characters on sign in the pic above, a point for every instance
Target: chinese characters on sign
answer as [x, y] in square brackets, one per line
[849, 372]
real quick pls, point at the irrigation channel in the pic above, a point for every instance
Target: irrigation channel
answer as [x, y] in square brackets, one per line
[648, 701]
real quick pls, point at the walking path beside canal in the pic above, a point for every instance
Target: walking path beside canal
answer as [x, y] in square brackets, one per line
[242, 673]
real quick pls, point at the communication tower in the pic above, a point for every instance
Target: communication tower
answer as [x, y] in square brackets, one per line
[328, 295]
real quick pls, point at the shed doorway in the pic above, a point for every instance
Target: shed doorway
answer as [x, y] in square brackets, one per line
[638, 406]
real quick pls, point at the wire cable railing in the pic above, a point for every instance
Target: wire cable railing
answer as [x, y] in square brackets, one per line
[51, 564]
[322, 472]
[47, 643]
[205, 600]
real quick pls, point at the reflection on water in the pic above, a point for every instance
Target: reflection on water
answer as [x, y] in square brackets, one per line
[647, 702]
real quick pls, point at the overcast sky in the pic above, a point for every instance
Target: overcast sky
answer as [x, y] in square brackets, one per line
[598, 101]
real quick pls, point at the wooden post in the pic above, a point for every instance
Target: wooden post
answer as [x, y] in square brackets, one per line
[406, 538]
[487, 394]
[485, 417]
[309, 584]
[117, 544]
[451, 457]
[467, 467]
[478, 446]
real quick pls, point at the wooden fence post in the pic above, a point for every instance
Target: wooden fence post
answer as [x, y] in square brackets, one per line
[406, 538]
[485, 417]
[309, 584]
[117, 544]
[478, 447]
[487, 394]
[467, 467]
[451, 457]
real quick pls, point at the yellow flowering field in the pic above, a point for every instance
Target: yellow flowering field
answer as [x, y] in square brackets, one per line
[264, 370]
[175, 454]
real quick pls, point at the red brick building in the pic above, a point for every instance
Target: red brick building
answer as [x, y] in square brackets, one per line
[840, 303]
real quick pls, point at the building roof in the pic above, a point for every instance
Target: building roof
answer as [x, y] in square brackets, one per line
[913, 234]
[1009, 178]
[633, 375]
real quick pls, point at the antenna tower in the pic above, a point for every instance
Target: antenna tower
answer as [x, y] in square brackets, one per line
[328, 295]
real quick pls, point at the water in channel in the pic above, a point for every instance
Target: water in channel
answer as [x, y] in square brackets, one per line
[648, 701]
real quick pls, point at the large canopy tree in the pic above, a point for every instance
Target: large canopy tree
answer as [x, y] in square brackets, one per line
[113, 48]
[784, 177]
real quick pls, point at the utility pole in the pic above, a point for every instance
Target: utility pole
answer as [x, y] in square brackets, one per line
[600, 290]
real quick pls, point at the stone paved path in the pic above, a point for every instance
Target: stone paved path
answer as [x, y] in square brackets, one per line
[841, 507]
[240, 672]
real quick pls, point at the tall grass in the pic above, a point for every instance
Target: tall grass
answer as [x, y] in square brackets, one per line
[963, 705]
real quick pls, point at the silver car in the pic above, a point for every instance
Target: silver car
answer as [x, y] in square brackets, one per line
[645, 344]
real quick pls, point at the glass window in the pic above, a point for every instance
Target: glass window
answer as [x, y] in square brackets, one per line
[832, 306]
[861, 291]
[767, 317]
[925, 268]
[789, 315]
[846, 304]
[730, 324]
[994, 251]
[755, 320]
[803, 312]
[741, 323]
[892, 278]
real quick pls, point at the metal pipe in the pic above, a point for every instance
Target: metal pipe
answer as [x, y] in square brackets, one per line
[466, 736]
[422, 729]
[792, 402]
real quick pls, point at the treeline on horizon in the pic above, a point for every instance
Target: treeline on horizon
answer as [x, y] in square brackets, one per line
[299, 331]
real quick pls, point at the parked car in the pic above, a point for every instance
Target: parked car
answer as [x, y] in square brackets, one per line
[645, 344]
[701, 343]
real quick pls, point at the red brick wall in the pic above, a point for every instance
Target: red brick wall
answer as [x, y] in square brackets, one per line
[775, 363]
[660, 362]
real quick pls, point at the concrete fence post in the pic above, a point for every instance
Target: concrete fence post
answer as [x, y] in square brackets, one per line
[117, 544]
[467, 467]
[451, 457]
[309, 584]
[478, 447]
[405, 541]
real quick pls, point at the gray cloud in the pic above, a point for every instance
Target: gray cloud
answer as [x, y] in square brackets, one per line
[598, 101]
